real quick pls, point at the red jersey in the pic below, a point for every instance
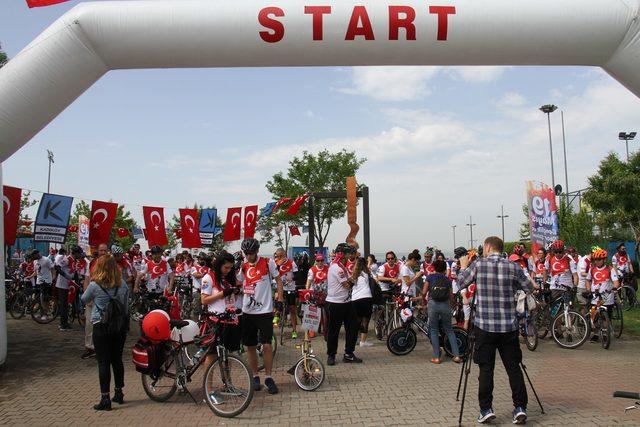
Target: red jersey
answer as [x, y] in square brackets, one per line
[319, 275]
[559, 266]
[392, 272]
[350, 266]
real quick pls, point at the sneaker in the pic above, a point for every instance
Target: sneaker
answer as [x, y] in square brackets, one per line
[215, 399]
[331, 359]
[351, 358]
[64, 328]
[276, 320]
[294, 335]
[594, 338]
[519, 415]
[271, 386]
[366, 344]
[486, 415]
[88, 353]
[256, 383]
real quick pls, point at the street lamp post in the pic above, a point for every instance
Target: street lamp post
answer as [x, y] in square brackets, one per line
[502, 216]
[470, 225]
[453, 227]
[548, 109]
[626, 137]
[566, 173]
[50, 157]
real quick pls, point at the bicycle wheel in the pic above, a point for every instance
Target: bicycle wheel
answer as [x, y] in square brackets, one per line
[18, 306]
[462, 338]
[541, 321]
[44, 313]
[617, 321]
[185, 310]
[379, 325]
[228, 387]
[605, 330]
[309, 373]
[570, 330]
[401, 341]
[162, 386]
[628, 297]
[531, 338]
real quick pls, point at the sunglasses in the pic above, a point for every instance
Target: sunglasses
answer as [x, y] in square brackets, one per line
[390, 259]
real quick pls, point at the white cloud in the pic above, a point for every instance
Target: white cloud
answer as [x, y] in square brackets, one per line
[391, 83]
[309, 114]
[483, 74]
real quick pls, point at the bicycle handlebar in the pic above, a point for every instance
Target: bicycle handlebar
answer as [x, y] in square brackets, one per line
[626, 395]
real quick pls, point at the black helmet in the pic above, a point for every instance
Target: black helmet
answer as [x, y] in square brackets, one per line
[460, 251]
[344, 248]
[250, 245]
[76, 249]
[156, 249]
[202, 255]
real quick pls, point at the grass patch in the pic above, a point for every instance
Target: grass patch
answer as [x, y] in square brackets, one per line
[632, 322]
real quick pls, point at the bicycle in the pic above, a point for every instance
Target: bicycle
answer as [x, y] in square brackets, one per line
[402, 340]
[600, 322]
[76, 307]
[308, 371]
[527, 328]
[226, 380]
[627, 292]
[19, 304]
[569, 328]
[386, 317]
[44, 308]
[185, 296]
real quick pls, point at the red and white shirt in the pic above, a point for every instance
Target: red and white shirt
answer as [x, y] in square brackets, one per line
[318, 276]
[602, 279]
[157, 275]
[256, 285]
[199, 270]
[561, 271]
[286, 270]
[621, 263]
[386, 270]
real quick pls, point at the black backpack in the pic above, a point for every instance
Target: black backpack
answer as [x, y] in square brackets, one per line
[440, 290]
[376, 291]
[114, 316]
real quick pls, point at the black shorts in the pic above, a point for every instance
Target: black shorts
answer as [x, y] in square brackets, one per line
[231, 335]
[363, 307]
[257, 328]
[290, 297]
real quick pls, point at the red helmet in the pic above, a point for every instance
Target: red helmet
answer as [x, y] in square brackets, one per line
[518, 249]
[557, 246]
[514, 257]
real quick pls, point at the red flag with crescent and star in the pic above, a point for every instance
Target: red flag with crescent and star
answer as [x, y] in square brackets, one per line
[294, 230]
[250, 215]
[41, 3]
[11, 206]
[154, 226]
[232, 225]
[103, 215]
[190, 225]
[297, 204]
[281, 203]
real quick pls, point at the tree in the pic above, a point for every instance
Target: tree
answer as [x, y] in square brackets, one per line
[525, 227]
[576, 228]
[217, 245]
[25, 203]
[123, 220]
[3, 57]
[308, 174]
[614, 195]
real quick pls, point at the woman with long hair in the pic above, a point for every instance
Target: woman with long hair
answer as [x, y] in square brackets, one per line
[107, 284]
[361, 298]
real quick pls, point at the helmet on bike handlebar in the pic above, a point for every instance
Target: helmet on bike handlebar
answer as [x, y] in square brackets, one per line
[250, 245]
[599, 254]
[557, 246]
[188, 332]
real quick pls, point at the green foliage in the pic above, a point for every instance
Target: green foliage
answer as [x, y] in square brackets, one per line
[25, 203]
[525, 227]
[123, 220]
[614, 195]
[508, 246]
[217, 245]
[3, 57]
[576, 228]
[311, 173]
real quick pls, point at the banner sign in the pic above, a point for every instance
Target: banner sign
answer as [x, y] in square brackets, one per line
[83, 233]
[310, 317]
[137, 233]
[53, 218]
[543, 215]
[208, 218]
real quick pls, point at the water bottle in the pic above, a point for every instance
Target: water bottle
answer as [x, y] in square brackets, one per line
[199, 354]
[554, 310]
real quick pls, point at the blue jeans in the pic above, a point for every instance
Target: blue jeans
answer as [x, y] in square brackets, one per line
[440, 316]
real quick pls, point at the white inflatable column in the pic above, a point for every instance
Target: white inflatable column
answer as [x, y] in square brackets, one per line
[3, 311]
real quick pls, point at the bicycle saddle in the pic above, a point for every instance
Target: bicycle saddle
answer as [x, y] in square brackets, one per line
[178, 323]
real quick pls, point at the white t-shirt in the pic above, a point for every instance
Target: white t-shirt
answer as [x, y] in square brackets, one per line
[258, 298]
[221, 305]
[62, 261]
[43, 270]
[336, 293]
[582, 268]
[197, 281]
[601, 283]
[288, 281]
[361, 289]
[407, 272]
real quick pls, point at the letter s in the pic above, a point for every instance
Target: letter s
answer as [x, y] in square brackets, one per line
[266, 21]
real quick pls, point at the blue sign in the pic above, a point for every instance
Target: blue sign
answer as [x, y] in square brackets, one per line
[268, 209]
[208, 220]
[52, 219]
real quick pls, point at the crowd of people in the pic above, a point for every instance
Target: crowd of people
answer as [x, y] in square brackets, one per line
[346, 285]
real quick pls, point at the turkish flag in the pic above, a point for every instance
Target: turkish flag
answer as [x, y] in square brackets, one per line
[297, 204]
[122, 232]
[294, 230]
[40, 3]
[11, 206]
[280, 203]
[72, 229]
[103, 215]
[154, 224]
[250, 216]
[190, 225]
[232, 226]
[177, 232]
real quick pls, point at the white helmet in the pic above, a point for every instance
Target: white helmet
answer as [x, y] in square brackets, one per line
[188, 332]
[406, 314]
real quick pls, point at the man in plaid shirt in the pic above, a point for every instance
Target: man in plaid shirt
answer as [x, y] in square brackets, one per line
[496, 327]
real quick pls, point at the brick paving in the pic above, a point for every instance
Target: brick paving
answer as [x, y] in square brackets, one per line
[45, 383]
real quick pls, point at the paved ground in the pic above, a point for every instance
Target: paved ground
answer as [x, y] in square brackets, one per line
[46, 383]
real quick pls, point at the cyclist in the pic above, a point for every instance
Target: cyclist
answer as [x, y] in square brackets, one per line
[537, 265]
[257, 306]
[127, 270]
[317, 280]
[469, 292]
[351, 261]
[158, 273]
[602, 280]
[427, 266]
[573, 254]
[287, 269]
[63, 264]
[409, 278]
[198, 270]
[584, 265]
[562, 269]
[518, 257]
[389, 274]
[622, 264]
[44, 274]
[27, 270]
[136, 257]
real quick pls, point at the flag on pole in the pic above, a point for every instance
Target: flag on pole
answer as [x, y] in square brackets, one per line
[190, 226]
[11, 204]
[294, 230]
[154, 226]
[281, 203]
[41, 3]
[232, 225]
[250, 215]
[103, 215]
[297, 204]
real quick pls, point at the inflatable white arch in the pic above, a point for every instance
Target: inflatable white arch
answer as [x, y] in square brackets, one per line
[93, 38]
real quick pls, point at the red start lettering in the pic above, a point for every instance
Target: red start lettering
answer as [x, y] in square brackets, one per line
[401, 20]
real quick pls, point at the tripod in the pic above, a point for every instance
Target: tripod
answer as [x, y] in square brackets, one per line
[466, 367]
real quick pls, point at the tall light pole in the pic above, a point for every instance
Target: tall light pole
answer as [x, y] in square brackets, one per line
[470, 225]
[566, 174]
[453, 227]
[626, 137]
[548, 109]
[50, 157]
[502, 216]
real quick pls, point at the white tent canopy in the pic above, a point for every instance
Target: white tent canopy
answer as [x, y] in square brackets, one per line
[93, 38]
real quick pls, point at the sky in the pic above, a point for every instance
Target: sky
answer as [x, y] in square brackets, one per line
[442, 143]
